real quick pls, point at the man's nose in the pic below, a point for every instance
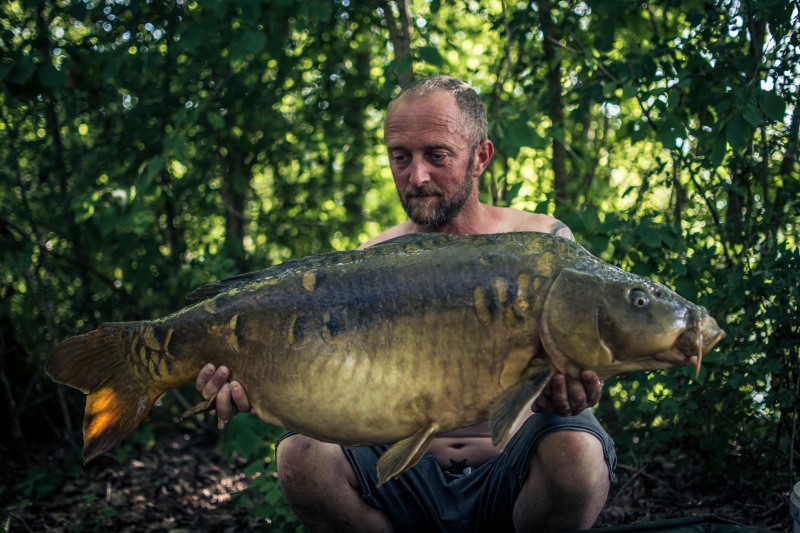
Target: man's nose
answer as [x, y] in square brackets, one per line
[419, 173]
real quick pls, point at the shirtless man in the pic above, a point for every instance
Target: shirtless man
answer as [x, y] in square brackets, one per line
[554, 474]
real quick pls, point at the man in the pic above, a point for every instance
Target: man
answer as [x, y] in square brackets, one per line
[553, 475]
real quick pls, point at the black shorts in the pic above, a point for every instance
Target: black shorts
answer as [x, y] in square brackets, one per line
[427, 499]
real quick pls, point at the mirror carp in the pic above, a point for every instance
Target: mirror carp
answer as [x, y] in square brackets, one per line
[396, 343]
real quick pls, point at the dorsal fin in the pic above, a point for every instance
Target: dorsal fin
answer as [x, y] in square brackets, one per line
[212, 289]
[410, 237]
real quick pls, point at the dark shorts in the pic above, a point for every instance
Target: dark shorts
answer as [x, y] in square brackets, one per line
[427, 499]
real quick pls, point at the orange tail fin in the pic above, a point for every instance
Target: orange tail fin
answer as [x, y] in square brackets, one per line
[118, 397]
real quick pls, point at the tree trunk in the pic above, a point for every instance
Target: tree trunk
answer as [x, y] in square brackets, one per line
[234, 187]
[555, 102]
[401, 41]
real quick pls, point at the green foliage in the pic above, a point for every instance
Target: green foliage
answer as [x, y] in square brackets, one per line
[42, 480]
[150, 147]
[94, 517]
[253, 441]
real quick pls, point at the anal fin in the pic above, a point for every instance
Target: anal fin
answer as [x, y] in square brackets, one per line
[512, 405]
[202, 407]
[405, 454]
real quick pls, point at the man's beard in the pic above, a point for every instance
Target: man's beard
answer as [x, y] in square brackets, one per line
[438, 213]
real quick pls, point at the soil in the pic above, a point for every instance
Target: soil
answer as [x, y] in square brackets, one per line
[184, 485]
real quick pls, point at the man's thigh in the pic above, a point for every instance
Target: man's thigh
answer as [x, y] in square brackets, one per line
[505, 476]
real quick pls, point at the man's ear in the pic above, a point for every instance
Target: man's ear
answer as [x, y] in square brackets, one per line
[483, 156]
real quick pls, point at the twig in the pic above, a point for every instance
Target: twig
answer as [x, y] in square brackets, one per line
[714, 215]
[630, 480]
[639, 99]
[13, 408]
[186, 405]
[794, 433]
[583, 49]
[53, 426]
[12, 515]
[773, 510]
[508, 43]
[745, 437]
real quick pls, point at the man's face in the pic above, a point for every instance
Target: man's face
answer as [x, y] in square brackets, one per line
[431, 162]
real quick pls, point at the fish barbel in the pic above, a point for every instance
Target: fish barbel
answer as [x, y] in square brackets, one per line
[393, 344]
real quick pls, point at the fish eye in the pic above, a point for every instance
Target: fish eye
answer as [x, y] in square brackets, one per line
[638, 299]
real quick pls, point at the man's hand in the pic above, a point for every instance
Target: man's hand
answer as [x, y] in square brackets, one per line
[570, 396]
[231, 397]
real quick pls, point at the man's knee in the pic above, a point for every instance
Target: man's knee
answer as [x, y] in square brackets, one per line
[574, 462]
[307, 466]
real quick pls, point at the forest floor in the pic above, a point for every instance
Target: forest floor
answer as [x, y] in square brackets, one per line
[183, 485]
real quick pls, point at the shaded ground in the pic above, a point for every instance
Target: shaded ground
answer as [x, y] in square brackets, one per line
[184, 485]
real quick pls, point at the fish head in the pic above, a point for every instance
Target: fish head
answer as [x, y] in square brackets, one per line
[614, 322]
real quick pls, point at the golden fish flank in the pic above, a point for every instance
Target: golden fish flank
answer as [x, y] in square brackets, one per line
[523, 283]
[481, 310]
[539, 282]
[372, 332]
[501, 286]
[545, 264]
[290, 330]
[309, 281]
[233, 340]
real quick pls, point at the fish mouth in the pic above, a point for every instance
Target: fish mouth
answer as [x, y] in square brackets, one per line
[699, 339]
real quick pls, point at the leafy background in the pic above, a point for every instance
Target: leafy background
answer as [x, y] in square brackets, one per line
[149, 146]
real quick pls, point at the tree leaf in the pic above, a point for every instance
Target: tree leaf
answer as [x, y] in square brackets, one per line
[720, 148]
[739, 133]
[216, 120]
[251, 42]
[772, 105]
[431, 55]
[512, 193]
[4, 70]
[752, 115]
[251, 10]
[629, 91]
[22, 71]
[51, 77]
[191, 38]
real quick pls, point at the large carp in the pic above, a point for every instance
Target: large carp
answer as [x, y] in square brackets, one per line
[393, 344]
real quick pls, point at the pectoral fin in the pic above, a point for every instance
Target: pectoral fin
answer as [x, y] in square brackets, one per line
[202, 407]
[405, 454]
[513, 404]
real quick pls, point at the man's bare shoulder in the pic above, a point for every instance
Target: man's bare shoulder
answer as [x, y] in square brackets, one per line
[404, 228]
[516, 220]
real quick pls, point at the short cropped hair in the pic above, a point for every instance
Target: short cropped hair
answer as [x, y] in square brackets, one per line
[474, 124]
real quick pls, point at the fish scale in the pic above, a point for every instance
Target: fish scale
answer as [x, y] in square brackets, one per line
[413, 337]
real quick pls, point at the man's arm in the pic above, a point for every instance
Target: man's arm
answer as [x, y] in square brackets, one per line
[569, 396]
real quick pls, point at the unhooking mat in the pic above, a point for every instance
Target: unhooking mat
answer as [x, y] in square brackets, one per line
[689, 524]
